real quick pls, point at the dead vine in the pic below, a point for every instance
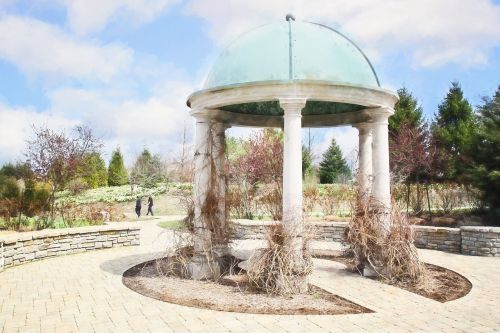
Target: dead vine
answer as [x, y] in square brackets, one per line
[282, 268]
[392, 255]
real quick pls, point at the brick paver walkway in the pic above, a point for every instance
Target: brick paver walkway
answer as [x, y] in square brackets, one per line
[84, 293]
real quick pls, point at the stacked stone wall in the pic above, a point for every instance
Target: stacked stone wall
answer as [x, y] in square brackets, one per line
[437, 238]
[19, 248]
[480, 241]
[248, 229]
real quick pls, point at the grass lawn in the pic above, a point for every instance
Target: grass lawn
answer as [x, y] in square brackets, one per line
[171, 225]
[28, 224]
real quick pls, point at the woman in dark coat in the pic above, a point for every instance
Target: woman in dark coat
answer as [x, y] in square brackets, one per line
[150, 206]
[138, 206]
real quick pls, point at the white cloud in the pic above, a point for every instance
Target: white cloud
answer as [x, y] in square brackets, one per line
[38, 48]
[90, 16]
[16, 128]
[156, 122]
[6, 3]
[430, 32]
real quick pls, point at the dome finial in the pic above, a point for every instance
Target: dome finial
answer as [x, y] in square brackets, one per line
[290, 17]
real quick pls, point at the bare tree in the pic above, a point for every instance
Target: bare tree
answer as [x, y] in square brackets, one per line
[55, 156]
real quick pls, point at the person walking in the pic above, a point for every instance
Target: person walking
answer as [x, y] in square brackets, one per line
[150, 206]
[138, 206]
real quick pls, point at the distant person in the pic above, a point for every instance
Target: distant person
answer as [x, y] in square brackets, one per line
[138, 206]
[150, 206]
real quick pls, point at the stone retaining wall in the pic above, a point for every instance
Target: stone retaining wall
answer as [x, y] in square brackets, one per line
[249, 229]
[19, 248]
[438, 238]
[480, 241]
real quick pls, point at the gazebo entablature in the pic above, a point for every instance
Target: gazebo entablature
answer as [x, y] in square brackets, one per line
[370, 102]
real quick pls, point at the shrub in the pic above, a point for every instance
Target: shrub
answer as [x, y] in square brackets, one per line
[270, 197]
[43, 221]
[329, 200]
[9, 188]
[77, 186]
[36, 198]
[448, 197]
[93, 170]
[311, 195]
[240, 202]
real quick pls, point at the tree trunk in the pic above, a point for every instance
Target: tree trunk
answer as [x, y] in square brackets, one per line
[21, 208]
[408, 186]
[428, 200]
[52, 203]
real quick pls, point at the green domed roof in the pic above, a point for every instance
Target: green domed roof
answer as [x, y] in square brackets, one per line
[292, 51]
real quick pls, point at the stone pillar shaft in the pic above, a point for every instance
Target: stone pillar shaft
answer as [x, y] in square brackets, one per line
[381, 186]
[292, 187]
[365, 158]
[292, 161]
[203, 264]
[219, 157]
[202, 173]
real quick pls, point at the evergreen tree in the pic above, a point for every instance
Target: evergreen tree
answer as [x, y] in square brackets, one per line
[486, 166]
[407, 111]
[333, 165]
[407, 133]
[307, 162]
[147, 170]
[93, 170]
[17, 171]
[117, 173]
[454, 129]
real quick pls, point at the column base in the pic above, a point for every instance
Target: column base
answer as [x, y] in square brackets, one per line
[370, 271]
[200, 268]
[294, 284]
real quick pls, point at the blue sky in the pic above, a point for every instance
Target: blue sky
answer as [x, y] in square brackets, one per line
[126, 66]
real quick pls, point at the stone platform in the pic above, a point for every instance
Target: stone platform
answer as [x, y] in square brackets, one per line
[84, 293]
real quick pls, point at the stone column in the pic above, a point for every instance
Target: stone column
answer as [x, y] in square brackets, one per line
[365, 158]
[292, 191]
[203, 265]
[219, 156]
[292, 160]
[381, 186]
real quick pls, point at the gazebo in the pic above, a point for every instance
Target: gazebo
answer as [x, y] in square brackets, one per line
[290, 75]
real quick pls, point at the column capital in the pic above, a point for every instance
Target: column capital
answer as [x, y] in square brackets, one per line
[363, 128]
[292, 106]
[201, 115]
[221, 127]
[381, 114]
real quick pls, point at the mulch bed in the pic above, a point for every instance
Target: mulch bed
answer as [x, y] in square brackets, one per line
[232, 297]
[440, 284]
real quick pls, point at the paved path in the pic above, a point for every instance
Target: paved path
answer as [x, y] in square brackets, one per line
[84, 293]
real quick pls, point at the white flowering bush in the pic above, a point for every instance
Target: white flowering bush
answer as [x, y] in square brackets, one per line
[123, 193]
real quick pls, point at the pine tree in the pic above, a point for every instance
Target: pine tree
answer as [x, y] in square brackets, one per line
[333, 165]
[307, 162]
[486, 166]
[147, 170]
[454, 129]
[407, 111]
[93, 170]
[407, 133]
[117, 173]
